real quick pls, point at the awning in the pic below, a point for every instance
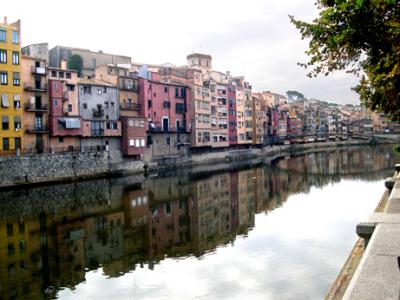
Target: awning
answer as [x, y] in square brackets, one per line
[70, 123]
[4, 100]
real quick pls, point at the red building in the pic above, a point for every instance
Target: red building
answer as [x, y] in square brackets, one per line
[133, 136]
[165, 106]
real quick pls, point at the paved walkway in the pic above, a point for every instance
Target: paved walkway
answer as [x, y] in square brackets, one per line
[378, 274]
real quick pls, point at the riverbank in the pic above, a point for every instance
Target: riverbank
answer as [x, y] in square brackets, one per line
[55, 168]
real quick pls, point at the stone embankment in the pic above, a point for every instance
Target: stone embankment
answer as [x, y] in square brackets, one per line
[45, 168]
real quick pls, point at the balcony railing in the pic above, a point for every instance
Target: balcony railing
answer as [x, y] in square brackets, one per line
[34, 107]
[38, 70]
[97, 132]
[38, 129]
[65, 96]
[171, 129]
[33, 87]
[132, 88]
[130, 106]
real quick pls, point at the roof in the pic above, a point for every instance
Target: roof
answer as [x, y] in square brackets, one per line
[87, 81]
[198, 55]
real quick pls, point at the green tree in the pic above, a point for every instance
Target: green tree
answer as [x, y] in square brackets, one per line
[75, 62]
[294, 95]
[363, 38]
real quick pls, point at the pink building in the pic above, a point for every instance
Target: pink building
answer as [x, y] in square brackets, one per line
[233, 134]
[65, 124]
[165, 106]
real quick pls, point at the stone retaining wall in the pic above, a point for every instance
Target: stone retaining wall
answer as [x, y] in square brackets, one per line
[24, 170]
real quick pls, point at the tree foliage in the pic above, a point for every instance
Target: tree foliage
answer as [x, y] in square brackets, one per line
[75, 62]
[294, 95]
[363, 38]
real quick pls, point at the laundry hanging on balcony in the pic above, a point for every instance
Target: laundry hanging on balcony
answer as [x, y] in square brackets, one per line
[70, 123]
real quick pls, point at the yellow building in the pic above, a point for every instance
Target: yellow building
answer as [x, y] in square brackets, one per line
[10, 87]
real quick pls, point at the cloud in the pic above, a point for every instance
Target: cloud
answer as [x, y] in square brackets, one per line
[253, 38]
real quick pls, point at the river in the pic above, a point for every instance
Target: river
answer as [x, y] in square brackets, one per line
[281, 230]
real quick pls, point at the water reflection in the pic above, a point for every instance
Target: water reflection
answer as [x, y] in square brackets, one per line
[50, 237]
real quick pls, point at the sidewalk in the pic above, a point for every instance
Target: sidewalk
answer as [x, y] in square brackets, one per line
[378, 274]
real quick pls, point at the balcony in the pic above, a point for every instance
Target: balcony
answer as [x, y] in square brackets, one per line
[169, 130]
[35, 87]
[39, 70]
[97, 132]
[37, 129]
[98, 112]
[131, 88]
[35, 107]
[130, 106]
[65, 96]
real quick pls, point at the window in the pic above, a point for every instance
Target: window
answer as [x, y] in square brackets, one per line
[167, 104]
[165, 89]
[68, 75]
[84, 105]
[69, 107]
[15, 37]
[61, 139]
[70, 88]
[87, 89]
[53, 74]
[106, 104]
[3, 78]
[17, 123]
[3, 56]
[16, 79]
[15, 58]
[6, 144]
[17, 101]
[131, 142]
[142, 143]
[112, 125]
[61, 74]
[18, 145]
[4, 122]
[180, 108]
[112, 104]
[149, 103]
[137, 143]
[3, 35]
[98, 91]
[4, 100]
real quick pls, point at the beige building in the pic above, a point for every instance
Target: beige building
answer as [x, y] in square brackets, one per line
[126, 80]
[91, 59]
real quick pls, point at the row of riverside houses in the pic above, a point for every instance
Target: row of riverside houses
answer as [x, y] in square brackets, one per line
[148, 111]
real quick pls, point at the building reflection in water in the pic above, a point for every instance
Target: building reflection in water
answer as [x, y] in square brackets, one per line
[51, 236]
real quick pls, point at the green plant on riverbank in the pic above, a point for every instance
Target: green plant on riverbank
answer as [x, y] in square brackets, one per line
[396, 149]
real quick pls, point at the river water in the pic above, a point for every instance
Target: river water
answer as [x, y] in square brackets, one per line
[276, 231]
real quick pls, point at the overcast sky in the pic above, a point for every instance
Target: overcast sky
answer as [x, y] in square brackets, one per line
[251, 38]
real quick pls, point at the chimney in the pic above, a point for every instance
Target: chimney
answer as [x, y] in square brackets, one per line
[5, 20]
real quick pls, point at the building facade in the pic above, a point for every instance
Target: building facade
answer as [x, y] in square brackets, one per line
[91, 59]
[11, 133]
[36, 104]
[99, 110]
[65, 123]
